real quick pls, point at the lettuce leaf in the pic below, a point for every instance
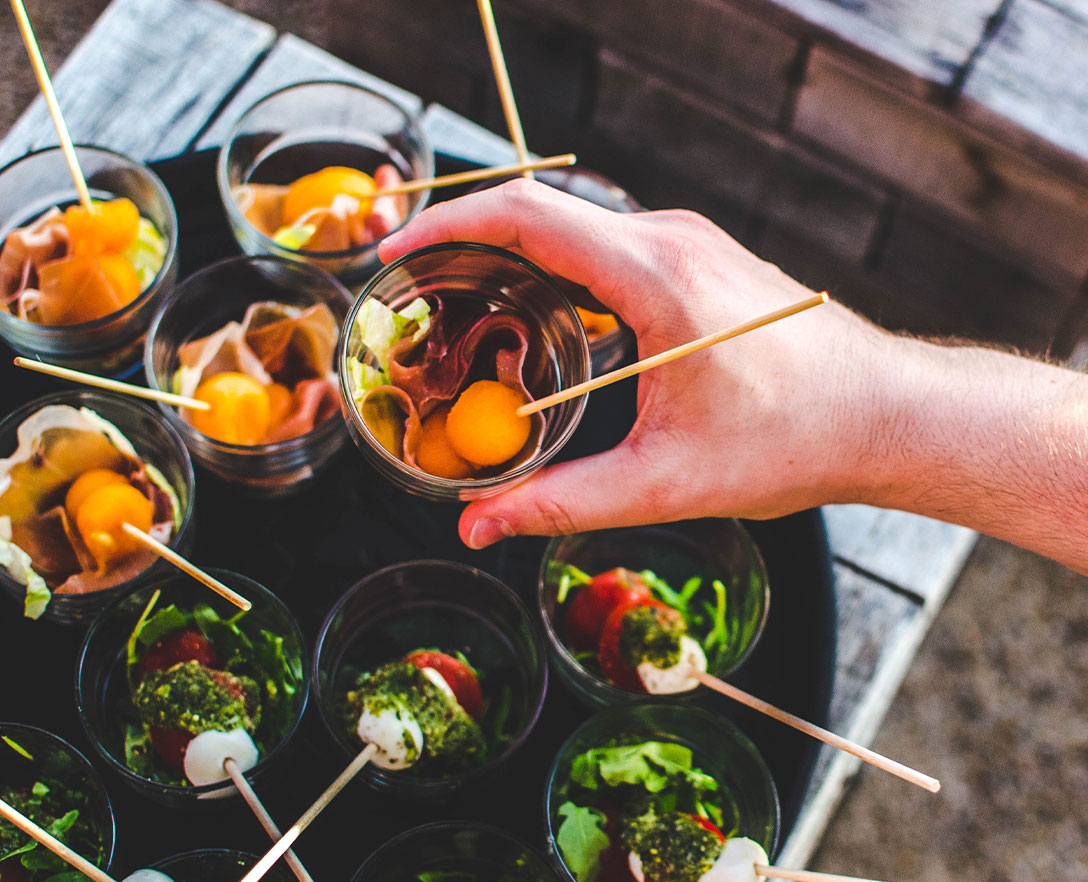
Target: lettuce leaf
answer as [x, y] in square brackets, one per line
[21, 568]
[581, 839]
[378, 327]
[651, 764]
[146, 253]
[294, 237]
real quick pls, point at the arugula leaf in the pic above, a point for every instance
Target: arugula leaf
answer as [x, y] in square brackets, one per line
[568, 576]
[223, 634]
[138, 750]
[17, 747]
[162, 623]
[651, 764]
[581, 839]
[719, 633]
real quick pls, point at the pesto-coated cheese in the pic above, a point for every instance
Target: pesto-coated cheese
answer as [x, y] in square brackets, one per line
[195, 699]
[672, 846]
[651, 634]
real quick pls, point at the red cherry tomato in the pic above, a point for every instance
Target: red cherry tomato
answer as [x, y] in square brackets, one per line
[707, 824]
[170, 745]
[608, 648]
[590, 607]
[176, 647]
[460, 677]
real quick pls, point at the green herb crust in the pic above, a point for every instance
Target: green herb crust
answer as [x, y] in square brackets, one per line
[452, 741]
[672, 846]
[193, 698]
[651, 634]
[64, 813]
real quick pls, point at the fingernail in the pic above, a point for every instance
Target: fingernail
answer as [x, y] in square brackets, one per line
[488, 530]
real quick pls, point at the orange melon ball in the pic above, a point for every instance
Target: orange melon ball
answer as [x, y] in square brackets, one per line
[435, 455]
[317, 190]
[109, 226]
[100, 517]
[85, 485]
[483, 425]
[241, 411]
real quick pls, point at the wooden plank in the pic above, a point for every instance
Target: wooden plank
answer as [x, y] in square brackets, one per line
[1023, 207]
[919, 554]
[146, 77]
[879, 632]
[294, 61]
[452, 134]
[1035, 73]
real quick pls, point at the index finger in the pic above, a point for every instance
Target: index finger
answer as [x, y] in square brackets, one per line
[564, 235]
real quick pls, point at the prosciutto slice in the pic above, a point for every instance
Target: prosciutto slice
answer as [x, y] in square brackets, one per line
[431, 372]
[274, 343]
[25, 251]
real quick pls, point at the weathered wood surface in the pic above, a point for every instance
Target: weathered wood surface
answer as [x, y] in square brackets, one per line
[146, 78]
[879, 627]
[1035, 73]
[878, 634]
[294, 61]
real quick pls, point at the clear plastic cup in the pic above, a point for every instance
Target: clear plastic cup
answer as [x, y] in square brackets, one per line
[718, 747]
[104, 701]
[205, 302]
[216, 865]
[710, 548]
[156, 443]
[52, 757]
[455, 850]
[497, 279]
[305, 127]
[33, 184]
[427, 605]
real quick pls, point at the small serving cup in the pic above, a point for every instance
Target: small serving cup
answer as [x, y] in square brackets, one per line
[53, 757]
[205, 302]
[102, 687]
[611, 348]
[455, 850]
[718, 747]
[322, 113]
[215, 865]
[466, 269]
[711, 548]
[33, 184]
[431, 604]
[156, 443]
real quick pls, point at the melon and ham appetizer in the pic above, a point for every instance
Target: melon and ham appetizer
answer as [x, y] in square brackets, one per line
[268, 378]
[76, 266]
[333, 209]
[438, 383]
[65, 492]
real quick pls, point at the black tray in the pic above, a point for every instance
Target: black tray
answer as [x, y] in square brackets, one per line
[310, 548]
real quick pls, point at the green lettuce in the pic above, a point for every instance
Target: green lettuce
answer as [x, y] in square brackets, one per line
[651, 764]
[21, 568]
[378, 327]
[294, 237]
[146, 253]
[581, 839]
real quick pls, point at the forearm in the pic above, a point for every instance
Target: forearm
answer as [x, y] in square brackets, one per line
[988, 440]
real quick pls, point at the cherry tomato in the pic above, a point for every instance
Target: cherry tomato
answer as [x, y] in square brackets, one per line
[608, 647]
[590, 607]
[460, 677]
[176, 647]
[707, 824]
[170, 745]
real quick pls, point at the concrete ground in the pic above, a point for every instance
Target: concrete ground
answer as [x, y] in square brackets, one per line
[996, 704]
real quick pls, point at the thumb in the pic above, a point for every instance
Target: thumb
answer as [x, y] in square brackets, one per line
[567, 498]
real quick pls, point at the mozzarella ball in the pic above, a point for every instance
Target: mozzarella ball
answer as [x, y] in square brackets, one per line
[206, 753]
[666, 681]
[397, 734]
[634, 862]
[146, 875]
[440, 681]
[737, 862]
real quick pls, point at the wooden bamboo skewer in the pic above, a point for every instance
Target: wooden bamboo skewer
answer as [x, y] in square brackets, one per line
[671, 355]
[50, 96]
[820, 734]
[168, 554]
[806, 875]
[111, 385]
[58, 848]
[287, 840]
[502, 80]
[466, 177]
[265, 819]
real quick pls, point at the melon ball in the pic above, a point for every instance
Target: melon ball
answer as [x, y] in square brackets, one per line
[103, 513]
[241, 410]
[85, 485]
[318, 190]
[435, 455]
[483, 425]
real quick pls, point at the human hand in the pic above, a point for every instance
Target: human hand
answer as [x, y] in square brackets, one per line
[769, 423]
